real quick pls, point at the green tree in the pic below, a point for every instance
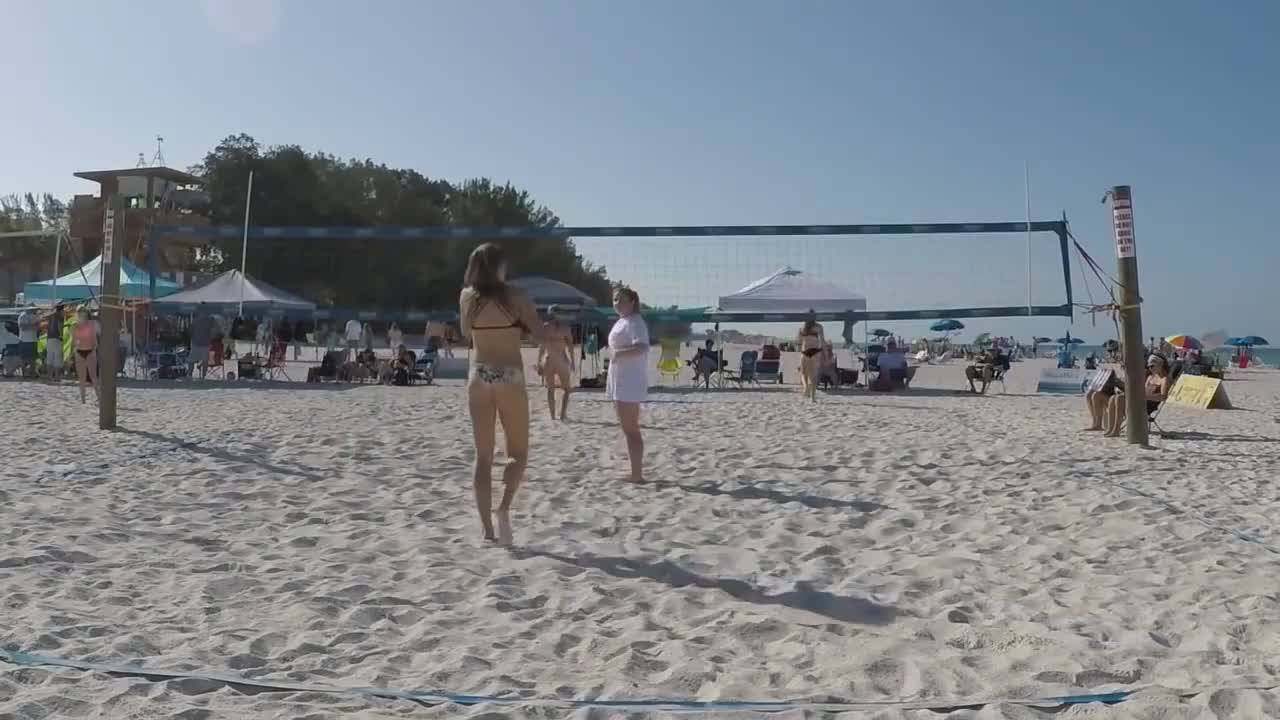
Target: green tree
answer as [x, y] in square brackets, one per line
[28, 258]
[297, 188]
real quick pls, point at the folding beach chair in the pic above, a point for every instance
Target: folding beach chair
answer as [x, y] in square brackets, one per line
[214, 364]
[669, 362]
[274, 368]
[769, 365]
[746, 372]
[1175, 371]
[711, 369]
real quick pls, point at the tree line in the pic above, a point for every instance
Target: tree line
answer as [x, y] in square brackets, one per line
[292, 186]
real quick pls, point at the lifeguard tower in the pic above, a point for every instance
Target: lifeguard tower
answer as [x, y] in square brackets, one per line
[153, 195]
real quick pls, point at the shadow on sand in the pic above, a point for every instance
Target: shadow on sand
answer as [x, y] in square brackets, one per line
[262, 385]
[819, 602]
[1195, 435]
[755, 492]
[177, 443]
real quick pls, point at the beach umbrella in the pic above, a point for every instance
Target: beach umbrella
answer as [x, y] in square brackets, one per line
[1068, 340]
[947, 326]
[881, 332]
[983, 339]
[1255, 340]
[1183, 342]
[1042, 339]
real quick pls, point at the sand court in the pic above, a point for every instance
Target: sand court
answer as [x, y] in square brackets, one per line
[917, 547]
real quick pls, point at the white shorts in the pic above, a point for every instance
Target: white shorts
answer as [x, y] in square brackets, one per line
[628, 385]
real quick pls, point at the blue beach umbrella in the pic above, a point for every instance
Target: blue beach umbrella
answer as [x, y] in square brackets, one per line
[1247, 341]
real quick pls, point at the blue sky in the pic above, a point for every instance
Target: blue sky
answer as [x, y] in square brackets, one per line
[727, 112]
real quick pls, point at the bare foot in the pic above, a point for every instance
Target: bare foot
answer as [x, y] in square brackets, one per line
[634, 480]
[505, 536]
[1092, 429]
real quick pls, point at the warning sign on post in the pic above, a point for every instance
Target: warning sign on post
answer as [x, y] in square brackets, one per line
[108, 235]
[1122, 221]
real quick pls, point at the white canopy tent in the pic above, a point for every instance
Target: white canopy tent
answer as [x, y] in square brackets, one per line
[790, 291]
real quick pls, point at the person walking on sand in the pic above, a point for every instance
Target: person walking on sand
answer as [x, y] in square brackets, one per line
[555, 361]
[627, 384]
[495, 317]
[810, 341]
[84, 336]
[53, 343]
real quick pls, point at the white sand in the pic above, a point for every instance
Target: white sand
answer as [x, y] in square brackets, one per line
[923, 546]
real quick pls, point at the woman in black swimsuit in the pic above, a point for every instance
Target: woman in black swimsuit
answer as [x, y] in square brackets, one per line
[810, 342]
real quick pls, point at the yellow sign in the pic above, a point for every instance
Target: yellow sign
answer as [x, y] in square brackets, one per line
[1197, 391]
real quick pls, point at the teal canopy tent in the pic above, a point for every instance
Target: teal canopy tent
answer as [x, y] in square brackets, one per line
[86, 282]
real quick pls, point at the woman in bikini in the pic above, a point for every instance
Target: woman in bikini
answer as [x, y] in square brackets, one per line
[496, 317]
[810, 341]
[555, 361]
[84, 335]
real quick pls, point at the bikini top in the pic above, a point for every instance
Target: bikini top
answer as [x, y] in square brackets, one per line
[515, 323]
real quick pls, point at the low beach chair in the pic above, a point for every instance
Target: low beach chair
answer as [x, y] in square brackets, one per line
[669, 362]
[746, 372]
[1175, 371]
[769, 365]
[273, 368]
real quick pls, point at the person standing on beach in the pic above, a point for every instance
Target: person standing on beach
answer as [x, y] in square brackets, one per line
[627, 384]
[352, 334]
[555, 361]
[28, 336]
[496, 317]
[810, 341]
[201, 337]
[53, 344]
[84, 336]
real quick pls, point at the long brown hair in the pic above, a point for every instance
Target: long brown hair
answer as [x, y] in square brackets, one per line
[484, 277]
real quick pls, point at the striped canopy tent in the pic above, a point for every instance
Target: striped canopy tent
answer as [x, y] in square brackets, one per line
[86, 282]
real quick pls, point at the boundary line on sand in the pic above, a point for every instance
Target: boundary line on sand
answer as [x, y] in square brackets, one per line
[428, 698]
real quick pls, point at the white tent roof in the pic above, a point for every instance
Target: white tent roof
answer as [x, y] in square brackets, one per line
[789, 290]
[227, 289]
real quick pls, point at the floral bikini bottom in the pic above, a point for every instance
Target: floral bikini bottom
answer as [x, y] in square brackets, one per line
[496, 374]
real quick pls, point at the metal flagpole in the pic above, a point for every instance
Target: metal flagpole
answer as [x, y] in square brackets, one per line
[1026, 177]
[244, 244]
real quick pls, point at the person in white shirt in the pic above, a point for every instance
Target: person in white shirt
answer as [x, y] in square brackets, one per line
[28, 334]
[628, 382]
[352, 334]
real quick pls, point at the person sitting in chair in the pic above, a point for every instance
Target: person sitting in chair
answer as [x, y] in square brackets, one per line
[399, 369]
[983, 368]
[828, 366]
[705, 363]
[1156, 388]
